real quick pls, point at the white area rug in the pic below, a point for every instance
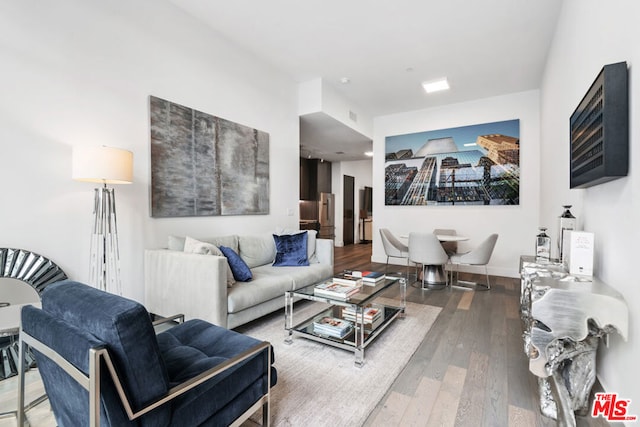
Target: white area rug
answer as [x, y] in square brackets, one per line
[319, 385]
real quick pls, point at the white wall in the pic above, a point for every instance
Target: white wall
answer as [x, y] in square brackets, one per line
[319, 96]
[361, 170]
[590, 35]
[76, 72]
[516, 225]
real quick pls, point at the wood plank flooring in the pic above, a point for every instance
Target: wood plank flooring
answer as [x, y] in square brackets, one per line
[470, 370]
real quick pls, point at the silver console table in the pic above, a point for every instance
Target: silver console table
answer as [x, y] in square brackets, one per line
[564, 318]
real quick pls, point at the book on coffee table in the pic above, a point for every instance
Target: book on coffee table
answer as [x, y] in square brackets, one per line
[332, 326]
[335, 290]
[372, 277]
[370, 314]
[348, 279]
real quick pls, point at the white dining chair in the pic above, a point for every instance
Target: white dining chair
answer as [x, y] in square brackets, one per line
[425, 249]
[477, 256]
[394, 248]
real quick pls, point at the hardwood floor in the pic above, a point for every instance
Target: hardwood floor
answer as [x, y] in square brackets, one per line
[471, 369]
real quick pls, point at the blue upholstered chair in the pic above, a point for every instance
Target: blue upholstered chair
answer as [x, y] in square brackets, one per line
[102, 363]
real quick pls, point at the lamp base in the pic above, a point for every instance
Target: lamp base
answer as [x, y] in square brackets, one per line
[104, 272]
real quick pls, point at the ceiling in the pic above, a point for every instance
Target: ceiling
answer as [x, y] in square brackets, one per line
[387, 49]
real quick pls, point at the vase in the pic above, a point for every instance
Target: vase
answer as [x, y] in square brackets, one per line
[543, 245]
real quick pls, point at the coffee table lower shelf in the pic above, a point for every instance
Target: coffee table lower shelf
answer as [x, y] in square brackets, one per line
[356, 340]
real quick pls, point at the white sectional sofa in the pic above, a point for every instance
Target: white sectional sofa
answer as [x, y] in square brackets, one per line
[196, 285]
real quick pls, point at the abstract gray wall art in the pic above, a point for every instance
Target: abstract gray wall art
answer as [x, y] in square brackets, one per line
[203, 165]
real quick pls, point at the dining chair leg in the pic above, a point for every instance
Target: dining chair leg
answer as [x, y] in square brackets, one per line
[407, 275]
[486, 273]
[463, 284]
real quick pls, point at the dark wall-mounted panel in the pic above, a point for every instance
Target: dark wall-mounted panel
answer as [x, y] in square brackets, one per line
[599, 130]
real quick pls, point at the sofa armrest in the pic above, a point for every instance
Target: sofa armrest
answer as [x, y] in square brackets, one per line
[324, 251]
[192, 284]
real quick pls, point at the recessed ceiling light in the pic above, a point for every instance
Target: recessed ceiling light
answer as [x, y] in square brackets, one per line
[368, 153]
[345, 80]
[436, 85]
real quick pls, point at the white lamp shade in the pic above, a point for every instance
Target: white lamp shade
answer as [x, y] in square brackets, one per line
[102, 164]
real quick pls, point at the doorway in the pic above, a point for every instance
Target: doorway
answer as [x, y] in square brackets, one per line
[348, 206]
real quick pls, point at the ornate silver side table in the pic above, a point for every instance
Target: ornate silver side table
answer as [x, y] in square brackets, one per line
[564, 318]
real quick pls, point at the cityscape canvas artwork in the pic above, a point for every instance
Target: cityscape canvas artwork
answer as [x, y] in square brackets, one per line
[468, 165]
[203, 165]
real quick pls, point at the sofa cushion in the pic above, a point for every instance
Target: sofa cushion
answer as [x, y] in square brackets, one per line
[194, 246]
[268, 282]
[239, 268]
[291, 250]
[194, 346]
[301, 277]
[257, 250]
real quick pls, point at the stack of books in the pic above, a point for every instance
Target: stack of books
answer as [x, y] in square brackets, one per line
[372, 316]
[332, 326]
[336, 290]
[347, 278]
[372, 278]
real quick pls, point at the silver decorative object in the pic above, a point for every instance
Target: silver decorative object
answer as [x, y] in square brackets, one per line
[31, 268]
[563, 319]
[567, 222]
[37, 272]
[543, 245]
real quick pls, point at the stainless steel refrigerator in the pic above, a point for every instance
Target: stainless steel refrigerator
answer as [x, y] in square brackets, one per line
[326, 216]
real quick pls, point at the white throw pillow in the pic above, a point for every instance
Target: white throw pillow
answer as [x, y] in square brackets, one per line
[176, 243]
[194, 246]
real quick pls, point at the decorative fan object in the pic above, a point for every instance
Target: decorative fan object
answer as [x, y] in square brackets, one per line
[29, 267]
[36, 271]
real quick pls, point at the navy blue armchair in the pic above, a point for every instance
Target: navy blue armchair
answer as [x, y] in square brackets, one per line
[102, 363]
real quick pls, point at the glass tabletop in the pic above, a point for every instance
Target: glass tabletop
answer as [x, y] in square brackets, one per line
[365, 294]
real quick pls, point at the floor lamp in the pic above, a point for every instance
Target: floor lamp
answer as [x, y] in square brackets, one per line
[105, 165]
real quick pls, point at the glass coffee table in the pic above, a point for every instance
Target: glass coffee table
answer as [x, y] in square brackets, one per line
[364, 329]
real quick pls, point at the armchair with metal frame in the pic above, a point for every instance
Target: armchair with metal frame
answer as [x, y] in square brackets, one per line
[103, 365]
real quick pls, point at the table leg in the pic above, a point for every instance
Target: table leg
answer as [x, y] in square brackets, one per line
[359, 337]
[403, 297]
[288, 318]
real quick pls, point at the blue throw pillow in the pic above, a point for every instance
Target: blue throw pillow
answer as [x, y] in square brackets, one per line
[239, 268]
[291, 249]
